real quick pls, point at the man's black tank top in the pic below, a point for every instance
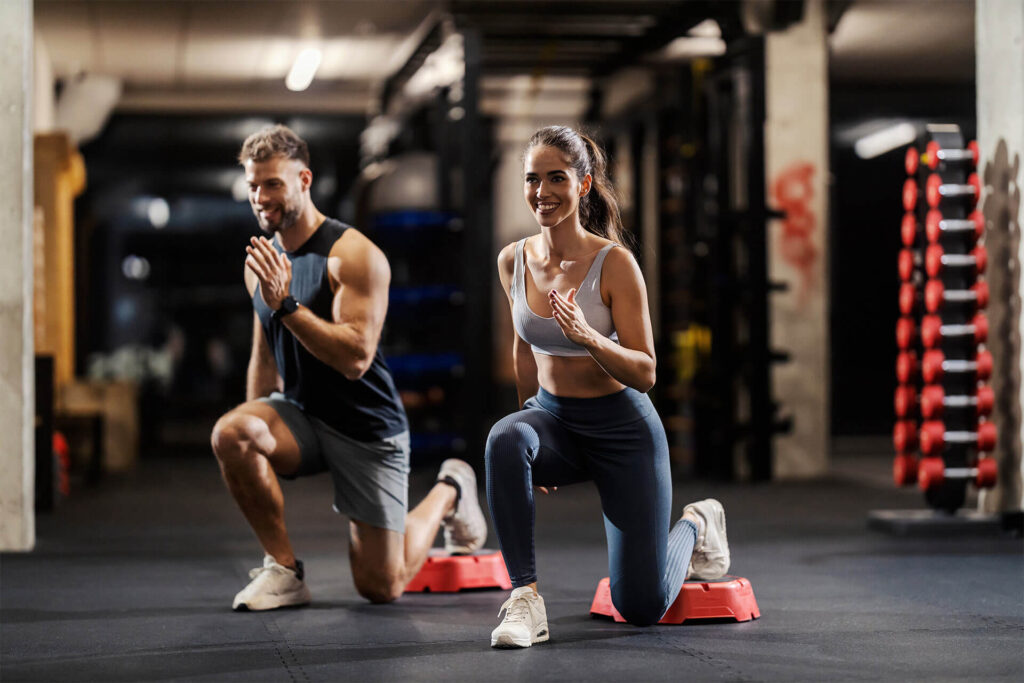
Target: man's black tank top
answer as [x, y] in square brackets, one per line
[367, 409]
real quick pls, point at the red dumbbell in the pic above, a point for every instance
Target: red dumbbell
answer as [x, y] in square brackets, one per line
[904, 400]
[904, 436]
[934, 401]
[906, 367]
[988, 473]
[935, 225]
[904, 469]
[933, 331]
[908, 229]
[911, 160]
[936, 190]
[934, 154]
[908, 298]
[936, 259]
[934, 437]
[906, 264]
[936, 295]
[910, 193]
[906, 332]
[933, 471]
[934, 366]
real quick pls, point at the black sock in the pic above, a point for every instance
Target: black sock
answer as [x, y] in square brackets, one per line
[458, 489]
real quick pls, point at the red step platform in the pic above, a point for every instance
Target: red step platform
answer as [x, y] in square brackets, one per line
[444, 573]
[730, 597]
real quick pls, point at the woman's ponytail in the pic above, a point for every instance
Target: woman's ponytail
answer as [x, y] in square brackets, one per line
[599, 208]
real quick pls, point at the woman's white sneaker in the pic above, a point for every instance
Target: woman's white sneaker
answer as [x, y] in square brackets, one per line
[465, 528]
[525, 622]
[272, 586]
[710, 558]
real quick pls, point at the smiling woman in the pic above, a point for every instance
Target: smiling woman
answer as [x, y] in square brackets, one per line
[583, 353]
[568, 156]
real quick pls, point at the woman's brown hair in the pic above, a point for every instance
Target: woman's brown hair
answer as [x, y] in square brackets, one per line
[599, 208]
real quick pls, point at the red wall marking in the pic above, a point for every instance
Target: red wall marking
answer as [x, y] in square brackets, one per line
[792, 193]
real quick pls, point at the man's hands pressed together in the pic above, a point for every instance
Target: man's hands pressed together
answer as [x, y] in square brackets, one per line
[272, 268]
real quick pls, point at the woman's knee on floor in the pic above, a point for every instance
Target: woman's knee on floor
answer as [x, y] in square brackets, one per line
[639, 608]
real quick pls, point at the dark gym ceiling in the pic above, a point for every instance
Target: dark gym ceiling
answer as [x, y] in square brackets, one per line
[210, 55]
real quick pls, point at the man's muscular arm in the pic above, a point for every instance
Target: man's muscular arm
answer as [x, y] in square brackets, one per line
[360, 276]
[262, 377]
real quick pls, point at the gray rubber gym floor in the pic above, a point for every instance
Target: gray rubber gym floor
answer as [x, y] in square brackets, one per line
[133, 580]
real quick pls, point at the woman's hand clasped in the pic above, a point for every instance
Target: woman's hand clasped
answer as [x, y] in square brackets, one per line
[569, 317]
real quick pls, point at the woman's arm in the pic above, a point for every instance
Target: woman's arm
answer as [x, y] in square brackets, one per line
[631, 361]
[526, 369]
[523, 362]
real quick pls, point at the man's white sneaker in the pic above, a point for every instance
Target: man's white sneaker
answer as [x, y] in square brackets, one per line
[525, 622]
[710, 558]
[272, 586]
[465, 528]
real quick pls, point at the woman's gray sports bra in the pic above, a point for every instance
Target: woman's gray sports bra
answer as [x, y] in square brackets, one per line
[543, 334]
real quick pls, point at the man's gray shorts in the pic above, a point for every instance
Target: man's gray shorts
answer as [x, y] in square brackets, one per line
[371, 480]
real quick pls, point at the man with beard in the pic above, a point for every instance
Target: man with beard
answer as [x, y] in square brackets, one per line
[320, 396]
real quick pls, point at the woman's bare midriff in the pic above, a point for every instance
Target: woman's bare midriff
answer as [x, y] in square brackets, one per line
[574, 377]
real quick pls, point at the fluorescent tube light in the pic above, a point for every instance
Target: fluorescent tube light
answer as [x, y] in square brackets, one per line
[303, 70]
[885, 140]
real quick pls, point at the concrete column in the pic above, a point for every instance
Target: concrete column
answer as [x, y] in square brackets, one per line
[999, 39]
[43, 100]
[17, 396]
[796, 158]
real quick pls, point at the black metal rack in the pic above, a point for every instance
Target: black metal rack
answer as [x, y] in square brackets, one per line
[942, 324]
[733, 209]
[438, 338]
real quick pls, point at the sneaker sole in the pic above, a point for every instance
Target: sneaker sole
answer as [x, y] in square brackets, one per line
[286, 602]
[507, 642]
[460, 550]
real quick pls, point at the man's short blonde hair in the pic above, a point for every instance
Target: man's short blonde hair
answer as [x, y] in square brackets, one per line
[274, 141]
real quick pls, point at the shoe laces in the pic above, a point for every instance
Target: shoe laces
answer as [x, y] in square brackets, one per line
[516, 608]
[267, 569]
[253, 573]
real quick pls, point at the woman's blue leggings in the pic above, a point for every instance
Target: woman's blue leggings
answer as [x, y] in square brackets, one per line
[619, 443]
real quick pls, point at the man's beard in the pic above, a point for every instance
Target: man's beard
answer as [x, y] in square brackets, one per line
[289, 217]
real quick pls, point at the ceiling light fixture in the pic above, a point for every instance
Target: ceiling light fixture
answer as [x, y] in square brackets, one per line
[303, 70]
[885, 140]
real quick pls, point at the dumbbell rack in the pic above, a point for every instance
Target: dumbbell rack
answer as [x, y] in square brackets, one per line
[942, 406]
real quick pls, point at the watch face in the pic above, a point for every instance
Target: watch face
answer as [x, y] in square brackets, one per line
[288, 305]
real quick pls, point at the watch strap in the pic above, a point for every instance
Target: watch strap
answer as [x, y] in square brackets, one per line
[288, 305]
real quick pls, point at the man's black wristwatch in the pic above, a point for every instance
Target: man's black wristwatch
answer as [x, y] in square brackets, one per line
[288, 305]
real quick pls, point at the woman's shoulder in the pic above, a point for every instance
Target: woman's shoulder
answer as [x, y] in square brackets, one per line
[617, 252]
[507, 253]
[507, 259]
[620, 260]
